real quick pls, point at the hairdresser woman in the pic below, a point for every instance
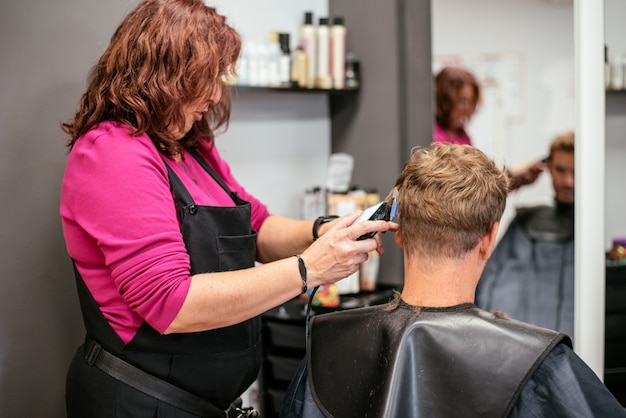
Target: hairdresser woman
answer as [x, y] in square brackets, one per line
[164, 239]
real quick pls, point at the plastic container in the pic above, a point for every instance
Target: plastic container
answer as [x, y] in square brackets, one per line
[353, 72]
[307, 42]
[284, 67]
[338, 52]
[617, 253]
[323, 79]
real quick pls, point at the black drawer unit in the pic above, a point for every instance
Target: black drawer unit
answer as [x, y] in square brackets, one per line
[615, 332]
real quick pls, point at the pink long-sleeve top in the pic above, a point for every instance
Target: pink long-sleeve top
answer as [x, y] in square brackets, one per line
[441, 135]
[121, 228]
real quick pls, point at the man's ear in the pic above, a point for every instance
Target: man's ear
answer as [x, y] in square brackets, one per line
[398, 236]
[488, 241]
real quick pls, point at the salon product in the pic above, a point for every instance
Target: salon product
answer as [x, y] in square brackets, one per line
[353, 72]
[300, 68]
[368, 272]
[242, 66]
[617, 253]
[273, 61]
[307, 42]
[323, 79]
[284, 64]
[263, 64]
[617, 72]
[253, 64]
[314, 203]
[340, 169]
[341, 204]
[338, 52]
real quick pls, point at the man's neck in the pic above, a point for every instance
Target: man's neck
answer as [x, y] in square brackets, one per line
[450, 283]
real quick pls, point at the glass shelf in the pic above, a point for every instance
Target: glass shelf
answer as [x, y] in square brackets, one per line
[245, 89]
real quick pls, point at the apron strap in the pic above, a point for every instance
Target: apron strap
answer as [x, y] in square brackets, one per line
[183, 197]
[152, 386]
[209, 169]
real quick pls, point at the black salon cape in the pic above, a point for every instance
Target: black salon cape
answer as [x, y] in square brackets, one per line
[561, 385]
[530, 274]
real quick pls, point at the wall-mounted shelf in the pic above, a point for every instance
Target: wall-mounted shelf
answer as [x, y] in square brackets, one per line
[245, 89]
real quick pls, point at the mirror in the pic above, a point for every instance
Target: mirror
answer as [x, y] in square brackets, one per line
[526, 71]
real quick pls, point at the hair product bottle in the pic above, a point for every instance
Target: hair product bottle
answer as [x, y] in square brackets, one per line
[263, 55]
[284, 67]
[253, 64]
[307, 42]
[353, 71]
[299, 68]
[617, 72]
[338, 48]
[242, 66]
[323, 79]
[273, 60]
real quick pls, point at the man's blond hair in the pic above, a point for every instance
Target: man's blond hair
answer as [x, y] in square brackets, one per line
[449, 196]
[562, 142]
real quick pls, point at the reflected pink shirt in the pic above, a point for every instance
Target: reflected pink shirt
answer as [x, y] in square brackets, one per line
[121, 228]
[441, 135]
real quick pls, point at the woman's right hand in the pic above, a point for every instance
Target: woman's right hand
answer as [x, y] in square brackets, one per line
[338, 253]
[525, 174]
[221, 299]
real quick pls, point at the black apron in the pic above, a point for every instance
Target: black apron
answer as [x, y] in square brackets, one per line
[217, 365]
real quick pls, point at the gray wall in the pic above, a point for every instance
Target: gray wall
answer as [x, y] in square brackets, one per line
[393, 110]
[47, 48]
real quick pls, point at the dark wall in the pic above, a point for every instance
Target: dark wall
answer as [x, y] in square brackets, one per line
[393, 110]
[47, 48]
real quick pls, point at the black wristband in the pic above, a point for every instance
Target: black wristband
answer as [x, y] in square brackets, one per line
[319, 221]
[302, 269]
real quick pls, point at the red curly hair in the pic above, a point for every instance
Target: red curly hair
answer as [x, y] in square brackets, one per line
[164, 55]
[448, 85]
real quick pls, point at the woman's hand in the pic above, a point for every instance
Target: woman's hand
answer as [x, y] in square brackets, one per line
[216, 300]
[525, 174]
[338, 253]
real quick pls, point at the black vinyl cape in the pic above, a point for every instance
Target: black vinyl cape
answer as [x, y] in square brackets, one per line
[458, 361]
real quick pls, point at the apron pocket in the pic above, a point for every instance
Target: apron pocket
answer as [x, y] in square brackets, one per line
[236, 252]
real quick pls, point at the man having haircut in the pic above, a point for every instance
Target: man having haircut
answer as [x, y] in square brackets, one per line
[431, 352]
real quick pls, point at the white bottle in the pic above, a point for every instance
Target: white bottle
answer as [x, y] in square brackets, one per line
[323, 79]
[242, 67]
[338, 51]
[263, 60]
[617, 73]
[253, 64]
[307, 42]
[273, 64]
